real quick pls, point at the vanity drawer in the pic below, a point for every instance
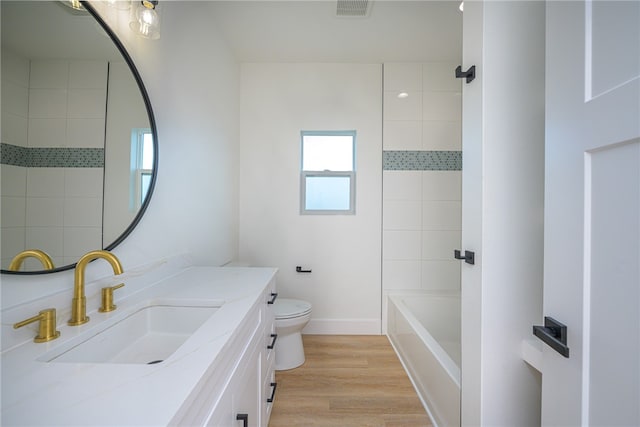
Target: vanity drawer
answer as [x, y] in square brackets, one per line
[269, 392]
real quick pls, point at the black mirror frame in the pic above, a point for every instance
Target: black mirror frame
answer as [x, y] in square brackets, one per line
[154, 132]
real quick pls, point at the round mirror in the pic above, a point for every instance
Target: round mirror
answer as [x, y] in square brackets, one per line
[79, 144]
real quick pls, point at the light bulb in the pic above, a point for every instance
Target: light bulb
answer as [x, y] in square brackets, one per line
[146, 22]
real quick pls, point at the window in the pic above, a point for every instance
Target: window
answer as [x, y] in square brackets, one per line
[328, 178]
[141, 166]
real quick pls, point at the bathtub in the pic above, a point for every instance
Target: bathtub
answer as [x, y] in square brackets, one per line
[424, 330]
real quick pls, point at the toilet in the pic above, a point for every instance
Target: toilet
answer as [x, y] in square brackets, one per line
[291, 316]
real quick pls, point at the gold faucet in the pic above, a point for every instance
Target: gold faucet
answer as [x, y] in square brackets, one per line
[107, 298]
[79, 302]
[47, 327]
[42, 256]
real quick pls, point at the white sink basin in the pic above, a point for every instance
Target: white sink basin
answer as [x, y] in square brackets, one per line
[147, 336]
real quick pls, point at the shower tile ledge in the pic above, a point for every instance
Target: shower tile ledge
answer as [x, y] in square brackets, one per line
[531, 352]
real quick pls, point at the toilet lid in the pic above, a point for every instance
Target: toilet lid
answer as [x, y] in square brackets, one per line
[287, 308]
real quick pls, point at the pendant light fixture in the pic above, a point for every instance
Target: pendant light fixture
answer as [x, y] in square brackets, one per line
[146, 21]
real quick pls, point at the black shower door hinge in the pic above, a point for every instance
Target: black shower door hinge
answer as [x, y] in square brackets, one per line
[470, 74]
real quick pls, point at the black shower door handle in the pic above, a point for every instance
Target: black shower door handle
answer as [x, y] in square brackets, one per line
[554, 334]
[469, 257]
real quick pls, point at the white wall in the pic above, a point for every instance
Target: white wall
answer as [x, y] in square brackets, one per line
[503, 184]
[193, 87]
[192, 79]
[343, 251]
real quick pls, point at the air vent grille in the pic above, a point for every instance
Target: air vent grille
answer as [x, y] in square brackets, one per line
[353, 8]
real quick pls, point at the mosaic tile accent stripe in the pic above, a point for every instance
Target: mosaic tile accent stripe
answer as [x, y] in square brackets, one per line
[14, 155]
[55, 157]
[422, 160]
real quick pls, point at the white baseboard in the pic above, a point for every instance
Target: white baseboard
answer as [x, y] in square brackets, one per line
[343, 327]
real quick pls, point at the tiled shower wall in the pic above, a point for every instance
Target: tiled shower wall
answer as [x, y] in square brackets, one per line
[53, 121]
[422, 177]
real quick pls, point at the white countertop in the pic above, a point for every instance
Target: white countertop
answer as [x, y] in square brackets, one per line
[52, 394]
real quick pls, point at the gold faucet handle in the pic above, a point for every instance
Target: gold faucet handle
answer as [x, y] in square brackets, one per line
[47, 329]
[107, 298]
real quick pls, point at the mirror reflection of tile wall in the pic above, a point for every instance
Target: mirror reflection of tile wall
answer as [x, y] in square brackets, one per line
[422, 176]
[53, 117]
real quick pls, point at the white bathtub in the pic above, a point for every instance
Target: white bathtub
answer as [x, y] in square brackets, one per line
[424, 329]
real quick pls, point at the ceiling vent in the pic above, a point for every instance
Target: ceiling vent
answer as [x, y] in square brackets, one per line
[353, 8]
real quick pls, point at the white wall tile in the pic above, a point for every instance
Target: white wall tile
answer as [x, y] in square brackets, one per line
[49, 74]
[48, 239]
[441, 135]
[83, 182]
[88, 75]
[44, 212]
[442, 185]
[398, 274]
[409, 108]
[79, 241]
[402, 185]
[442, 106]
[14, 129]
[85, 133]
[402, 76]
[47, 103]
[439, 192]
[86, 103]
[12, 242]
[440, 76]
[402, 135]
[14, 180]
[45, 182]
[14, 211]
[441, 215]
[440, 244]
[48, 132]
[401, 245]
[402, 215]
[82, 212]
[15, 99]
[15, 68]
[441, 275]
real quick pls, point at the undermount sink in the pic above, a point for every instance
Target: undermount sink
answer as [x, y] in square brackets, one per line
[147, 336]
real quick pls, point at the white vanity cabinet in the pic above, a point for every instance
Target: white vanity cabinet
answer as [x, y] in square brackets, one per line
[247, 398]
[239, 404]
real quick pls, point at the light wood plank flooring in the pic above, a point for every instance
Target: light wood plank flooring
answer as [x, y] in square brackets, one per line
[347, 381]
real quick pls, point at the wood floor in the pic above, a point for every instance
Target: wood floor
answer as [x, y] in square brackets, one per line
[347, 381]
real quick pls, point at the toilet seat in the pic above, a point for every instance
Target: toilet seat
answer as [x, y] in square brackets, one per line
[286, 308]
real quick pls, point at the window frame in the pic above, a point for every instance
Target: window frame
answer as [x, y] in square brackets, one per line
[304, 174]
[136, 198]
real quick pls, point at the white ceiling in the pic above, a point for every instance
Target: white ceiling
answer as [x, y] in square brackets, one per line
[49, 30]
[310, 31]
[263, 30]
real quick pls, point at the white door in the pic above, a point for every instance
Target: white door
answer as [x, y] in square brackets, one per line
[592, 212]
